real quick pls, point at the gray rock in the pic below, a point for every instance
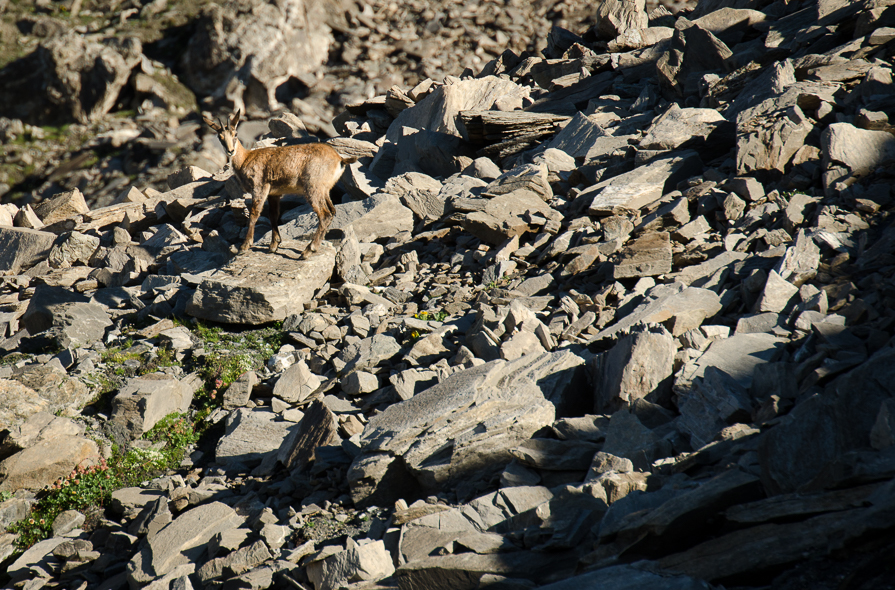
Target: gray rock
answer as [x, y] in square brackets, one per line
[417, 429]
[464, 570]
[629, 438]
[181, 542]
[13, 510]
[761, 322]
[348, 259]
[640, 365]
[380, 216]
[238, 393]
[649, 255]
[663, 303]
[687, 511]
[250, 436]
[642, 186]
[628, 577]
[842, 417]
[532, 177]
[859, 151]
[359, 383]
[256, 287]
[74, 248]
[801, 260]
[43, 463]
[506, 215]
[238, 562]
[882, 435]
[68, 78]
[358, 563]
[713, 402]
[151, 519]
[318, 427]
[46, 389]
[747, 188]
[129, 502]
[555, 455]
[367, 353]
[22, 248]
[577, 138]
[615, 18]
[263, 46]
[737, 356]
[67, 521]
[296, 383]
[772, 82]
[33, 429]
[483, 168]
[778, 294]
[677, 126]
[143, 401]
[694, 51]
[34, 556]
[768, 136]
[438, 111]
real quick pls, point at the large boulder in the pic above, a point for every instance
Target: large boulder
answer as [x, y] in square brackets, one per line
[242, 51]
[67, 78]
[461, 430]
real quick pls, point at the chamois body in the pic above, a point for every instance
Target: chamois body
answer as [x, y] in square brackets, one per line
[310, 170]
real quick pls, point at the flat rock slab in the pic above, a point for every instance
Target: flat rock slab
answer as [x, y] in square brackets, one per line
[259, 287]
[22, 248]
[45, 462]
[250, 436]
[144, 401]
[380, 216]
[859, 150]
[647, 256]
[663, 303]
[18, 402]
[181, 542]
[506, 215]
[737, 356]
[651, 181]
[440, 109]
[463, 428]
[677, 126]
[44, 388]
[628, 577]
[463, 571]
[318, 427]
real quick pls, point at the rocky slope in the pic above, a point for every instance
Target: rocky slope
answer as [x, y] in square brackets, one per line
[618, 317]
[114, 85]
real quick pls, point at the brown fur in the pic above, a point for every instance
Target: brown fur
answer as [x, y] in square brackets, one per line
[310, 169]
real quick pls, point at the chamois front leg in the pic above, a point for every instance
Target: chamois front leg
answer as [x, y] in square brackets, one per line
[325, 211]
[258, 198]
[274, 204]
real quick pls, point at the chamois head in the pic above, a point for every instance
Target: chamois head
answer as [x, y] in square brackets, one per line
[227, 134]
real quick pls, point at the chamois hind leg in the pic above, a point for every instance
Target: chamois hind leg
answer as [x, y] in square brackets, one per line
[258, 198]
[325, 211]
[274, 204]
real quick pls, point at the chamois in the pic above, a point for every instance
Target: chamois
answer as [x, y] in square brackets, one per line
[310, 169]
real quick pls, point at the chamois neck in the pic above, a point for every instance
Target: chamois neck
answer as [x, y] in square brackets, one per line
[239, 155]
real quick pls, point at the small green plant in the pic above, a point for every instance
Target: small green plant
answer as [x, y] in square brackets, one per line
[12, 358]
[4, 496]
[89, 486]
[84, 487]
[436, 316]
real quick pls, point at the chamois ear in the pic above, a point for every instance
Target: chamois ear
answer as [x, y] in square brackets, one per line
[211, 123]
[234, 118]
